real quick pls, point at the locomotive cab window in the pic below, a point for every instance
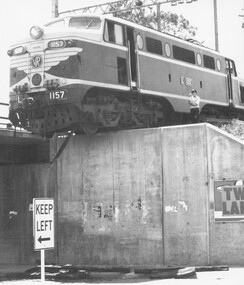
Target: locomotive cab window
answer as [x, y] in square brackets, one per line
[85, 23]
[154, 46]
[114, 33]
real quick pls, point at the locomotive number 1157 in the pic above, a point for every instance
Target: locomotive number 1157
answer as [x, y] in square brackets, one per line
[56, 95]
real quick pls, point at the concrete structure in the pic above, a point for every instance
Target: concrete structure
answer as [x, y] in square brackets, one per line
[22, 147]
[129, 198]
[22, 158]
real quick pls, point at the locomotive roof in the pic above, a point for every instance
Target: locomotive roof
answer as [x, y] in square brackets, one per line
[138, 26]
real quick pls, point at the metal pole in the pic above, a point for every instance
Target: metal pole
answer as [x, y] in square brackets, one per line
[159, 16]
[42, 266]
[216, 33]
[54, 8]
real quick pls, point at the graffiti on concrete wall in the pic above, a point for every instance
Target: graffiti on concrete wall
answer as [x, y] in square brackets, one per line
[137, 204]
[178, 206]
[110, 212]
[97, 209]
[229, 200]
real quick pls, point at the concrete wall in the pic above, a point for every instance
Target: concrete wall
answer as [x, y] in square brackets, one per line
[185, 187]
[194, 157]
[19, 184]
[110, 199]
[131, 198]
[225, 162]
[19, 147]
[145, 197]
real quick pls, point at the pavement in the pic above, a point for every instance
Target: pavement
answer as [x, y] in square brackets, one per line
[69, 272]
[15, 274]
[6, 269]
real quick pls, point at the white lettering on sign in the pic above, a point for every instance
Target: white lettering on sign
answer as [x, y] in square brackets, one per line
[43, 228]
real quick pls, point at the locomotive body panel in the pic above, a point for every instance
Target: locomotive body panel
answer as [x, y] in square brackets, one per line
[176, 83]
[163, 75]
[110, 57]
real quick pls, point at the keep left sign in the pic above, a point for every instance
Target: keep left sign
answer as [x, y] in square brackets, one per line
[43, 223]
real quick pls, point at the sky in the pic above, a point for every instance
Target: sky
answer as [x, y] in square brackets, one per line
[18, 16]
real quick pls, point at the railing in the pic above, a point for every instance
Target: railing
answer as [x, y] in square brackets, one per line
[4, 120]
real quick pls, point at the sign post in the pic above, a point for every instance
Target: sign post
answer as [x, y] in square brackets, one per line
[43, 228]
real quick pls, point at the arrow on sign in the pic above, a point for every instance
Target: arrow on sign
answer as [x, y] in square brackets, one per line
[43, 239]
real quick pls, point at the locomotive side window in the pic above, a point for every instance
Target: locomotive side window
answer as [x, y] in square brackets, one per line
[199, 59]
[139, 41]
[119, 37]
[85, 23]
[167, 49]
[184, 54]
[208, 62]
[114, 33]
[218, 64]
[154, 46]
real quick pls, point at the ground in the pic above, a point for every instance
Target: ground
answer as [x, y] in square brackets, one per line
[233, 276]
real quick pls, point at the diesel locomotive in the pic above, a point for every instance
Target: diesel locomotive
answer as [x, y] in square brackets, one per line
[84, 73]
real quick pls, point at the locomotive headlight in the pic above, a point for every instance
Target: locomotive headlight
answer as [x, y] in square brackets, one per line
[19, 50]
[10, 52]
[36, 79]
[36, 32]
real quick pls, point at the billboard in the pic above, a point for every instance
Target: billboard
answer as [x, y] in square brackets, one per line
[229, 200]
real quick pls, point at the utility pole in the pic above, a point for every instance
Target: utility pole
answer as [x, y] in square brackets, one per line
[159, 16]
[216, 32]
[54, 8]
[242, 16]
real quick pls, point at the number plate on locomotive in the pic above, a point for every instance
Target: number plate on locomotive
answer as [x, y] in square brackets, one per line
[56, 95]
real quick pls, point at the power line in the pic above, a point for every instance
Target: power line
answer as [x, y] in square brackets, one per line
[125, 5]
